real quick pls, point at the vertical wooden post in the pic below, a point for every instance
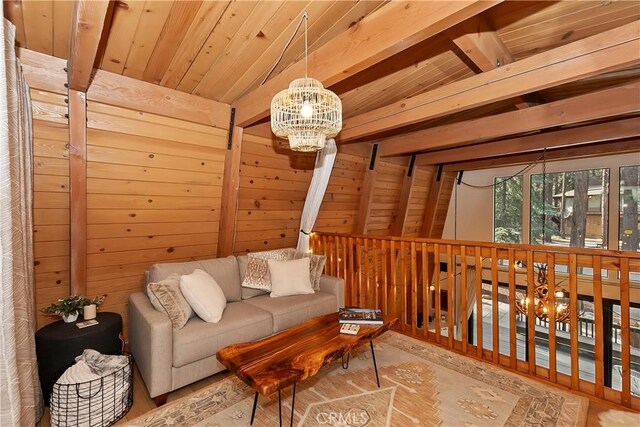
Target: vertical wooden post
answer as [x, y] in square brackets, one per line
[230, 187]
[78, 190]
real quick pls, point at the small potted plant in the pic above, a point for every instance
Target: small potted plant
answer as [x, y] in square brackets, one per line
[69, 308]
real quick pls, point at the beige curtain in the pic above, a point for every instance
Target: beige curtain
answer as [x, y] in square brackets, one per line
[20, 394]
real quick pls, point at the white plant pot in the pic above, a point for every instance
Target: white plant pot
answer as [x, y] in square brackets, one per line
[71, 317]
[89, 312]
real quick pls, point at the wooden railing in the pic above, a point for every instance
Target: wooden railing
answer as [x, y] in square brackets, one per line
[397, 275]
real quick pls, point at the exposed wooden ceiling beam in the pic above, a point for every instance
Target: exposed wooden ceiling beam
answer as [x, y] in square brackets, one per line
[482, 45]
[591, 150]
[391, 29]
[607, 51]
[47, 73]
[612, 102]
[621, 129]
[86, 31]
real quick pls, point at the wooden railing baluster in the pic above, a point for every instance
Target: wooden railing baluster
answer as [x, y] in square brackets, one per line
[451, 271]
[573, 320]
[365, 289]
[494, 306]
[463, 299]
[425, 291]
[598, 320]
[393, 284]
[436, 284]
[385, 277]
[374, 250]
[414, 289]
[625, 347]
[396, 274]
[531, 317]
[551, 277]
[479, 311]
[513, 349]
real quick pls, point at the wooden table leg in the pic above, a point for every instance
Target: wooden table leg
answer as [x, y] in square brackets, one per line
[375, 366]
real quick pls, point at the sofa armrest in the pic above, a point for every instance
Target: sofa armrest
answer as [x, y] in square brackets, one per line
[334, 286]
[151, 343]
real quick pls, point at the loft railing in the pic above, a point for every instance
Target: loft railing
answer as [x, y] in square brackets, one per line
[397, 275]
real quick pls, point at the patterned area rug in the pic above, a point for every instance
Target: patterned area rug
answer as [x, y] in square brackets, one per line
[420, 384]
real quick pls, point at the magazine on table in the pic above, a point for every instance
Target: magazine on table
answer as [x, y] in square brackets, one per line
[360, 316]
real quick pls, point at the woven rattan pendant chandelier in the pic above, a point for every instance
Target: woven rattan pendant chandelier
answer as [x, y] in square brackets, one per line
[306, 113]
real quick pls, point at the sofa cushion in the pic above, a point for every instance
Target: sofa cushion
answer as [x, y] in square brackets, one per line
[257, 275]
[290, 277]
[289, 311]
[199, 339]
[224, 270]
[247, 293]
[166, 297]
[316, 265]
[204, 295]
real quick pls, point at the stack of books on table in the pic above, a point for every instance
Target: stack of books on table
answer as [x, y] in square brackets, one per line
[360, 316]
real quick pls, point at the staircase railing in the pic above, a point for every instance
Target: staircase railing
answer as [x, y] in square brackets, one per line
[436, 290]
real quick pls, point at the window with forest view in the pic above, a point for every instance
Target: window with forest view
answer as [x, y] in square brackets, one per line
[570, 208]
[507, 210]
[629, 225]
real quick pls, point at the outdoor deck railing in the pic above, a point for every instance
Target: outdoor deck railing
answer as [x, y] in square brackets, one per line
[396, 274]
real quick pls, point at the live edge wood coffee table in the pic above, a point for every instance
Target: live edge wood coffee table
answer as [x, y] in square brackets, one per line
[297, 353]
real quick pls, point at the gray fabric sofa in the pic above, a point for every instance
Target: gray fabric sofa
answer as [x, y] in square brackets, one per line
[169, 359]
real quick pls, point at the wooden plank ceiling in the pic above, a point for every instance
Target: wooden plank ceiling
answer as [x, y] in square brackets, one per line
[223, 50]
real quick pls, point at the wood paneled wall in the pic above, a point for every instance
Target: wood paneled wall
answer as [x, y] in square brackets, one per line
[423, 177]
[273, 186]
[50, 200]
[154, 188]
[386, 197]
[339, 210]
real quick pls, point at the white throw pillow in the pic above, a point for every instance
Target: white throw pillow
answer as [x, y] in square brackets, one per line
[290, 277]
[204, 295]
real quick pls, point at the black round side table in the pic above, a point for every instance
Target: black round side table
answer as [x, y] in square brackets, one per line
[59, 343]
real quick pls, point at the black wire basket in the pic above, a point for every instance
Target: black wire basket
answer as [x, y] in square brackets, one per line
[100, 402]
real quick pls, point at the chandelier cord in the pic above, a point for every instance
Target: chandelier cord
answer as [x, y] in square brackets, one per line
[305, 17]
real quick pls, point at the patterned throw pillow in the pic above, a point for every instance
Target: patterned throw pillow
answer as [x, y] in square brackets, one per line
[166, 297]
[257, 275]
[316, 266]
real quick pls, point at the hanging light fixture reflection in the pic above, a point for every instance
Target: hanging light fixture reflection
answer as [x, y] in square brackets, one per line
[306, 113]
[541, 301]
